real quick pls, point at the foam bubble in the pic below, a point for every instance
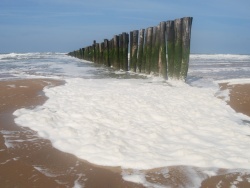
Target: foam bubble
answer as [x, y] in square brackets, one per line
[142, 125]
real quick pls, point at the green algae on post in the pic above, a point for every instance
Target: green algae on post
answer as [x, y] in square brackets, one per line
[140, 50]
[133, 50]
[148, 49]
[162, 62]
[177, 47]
[155, 51]
[170, 47]
[116, 52]
[186, 37]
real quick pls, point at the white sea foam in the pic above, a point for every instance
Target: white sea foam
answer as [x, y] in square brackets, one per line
[219, 66]
[235, 81]
[140, 124]
[218, 57]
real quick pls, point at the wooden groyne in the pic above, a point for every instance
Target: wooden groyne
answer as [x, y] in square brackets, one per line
[161, 50]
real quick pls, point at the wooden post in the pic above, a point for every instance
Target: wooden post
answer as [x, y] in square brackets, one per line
[83, 51]
[140, 50]
[94, 51]
[186, 37]
[101, 53]
[90, 53]
[170, 47]
[125, 37]
[162, 50]
[116, 52]
[97, 53]
[134, 49]
[106, 52]
[155, 51]
[121, 57]
[86, 53]
[148, 50]
[80, 53]
[111, 53]
[177, 47]
[130, 48]
[76, 52]
[157, 41]
[126, 43]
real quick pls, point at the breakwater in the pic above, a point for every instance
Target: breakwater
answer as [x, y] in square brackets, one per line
[160, 50]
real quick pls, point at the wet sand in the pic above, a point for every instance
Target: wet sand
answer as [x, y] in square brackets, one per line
[239, 97]
[27, 160]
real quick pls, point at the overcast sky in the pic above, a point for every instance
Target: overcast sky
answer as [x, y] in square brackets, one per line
[219, 26]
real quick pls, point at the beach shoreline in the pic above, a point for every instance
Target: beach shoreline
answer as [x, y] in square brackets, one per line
[30, 161]
[239, 95]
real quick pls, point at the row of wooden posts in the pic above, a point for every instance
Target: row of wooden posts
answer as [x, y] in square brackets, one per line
[161, 50]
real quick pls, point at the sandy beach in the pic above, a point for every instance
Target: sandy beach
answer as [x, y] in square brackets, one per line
[32, 161]
[239, 97]
[26, 160]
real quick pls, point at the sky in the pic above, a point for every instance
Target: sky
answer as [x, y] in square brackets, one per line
[219, 26]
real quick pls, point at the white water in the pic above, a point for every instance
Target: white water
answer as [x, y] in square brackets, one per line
[136, 124]
[101, 116]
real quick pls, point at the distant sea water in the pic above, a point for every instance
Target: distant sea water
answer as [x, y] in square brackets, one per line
[117, 118]
[202, 67]
[219, 67]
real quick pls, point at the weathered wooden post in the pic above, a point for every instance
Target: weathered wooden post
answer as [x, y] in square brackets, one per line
[140, 50]
[162, 62]
[186, 37]
[157, 43]
[86, 53]
[155, 51]
[97, 52]
[101, 52]
[77, 53]
[121, 57]
[125, 37]
[111, 52]
[116, 52]
[94, 51]
[130, 48]
[170, 47]
[106, 52]
[90, 53]
[148, 50]
[80, 53]
[134, 49]
[83, 50]
[178, 47]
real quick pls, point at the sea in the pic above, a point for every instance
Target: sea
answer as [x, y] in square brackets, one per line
[115, 118]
